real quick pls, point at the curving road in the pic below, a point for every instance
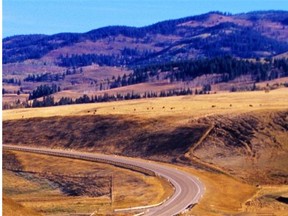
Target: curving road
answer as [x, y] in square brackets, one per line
[188, 189]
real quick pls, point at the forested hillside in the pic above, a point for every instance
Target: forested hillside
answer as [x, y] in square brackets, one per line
[255, 34]
[176, 56]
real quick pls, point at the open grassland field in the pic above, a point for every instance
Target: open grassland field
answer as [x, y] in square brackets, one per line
[182, 107]
[10, 207]
[50, 196]
[273, 82]
[85, 83]
[137, 88]
[235, 142]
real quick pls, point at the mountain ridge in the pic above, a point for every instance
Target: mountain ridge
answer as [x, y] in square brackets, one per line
[23, 47]
[257, 12]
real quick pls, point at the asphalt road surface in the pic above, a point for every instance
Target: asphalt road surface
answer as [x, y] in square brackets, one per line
[188, 189]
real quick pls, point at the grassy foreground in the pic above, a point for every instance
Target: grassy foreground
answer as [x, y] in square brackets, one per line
[129, 188]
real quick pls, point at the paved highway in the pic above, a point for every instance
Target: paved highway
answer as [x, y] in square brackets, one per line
[188, 189]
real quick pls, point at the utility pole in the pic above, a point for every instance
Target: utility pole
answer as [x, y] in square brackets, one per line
[111, 189]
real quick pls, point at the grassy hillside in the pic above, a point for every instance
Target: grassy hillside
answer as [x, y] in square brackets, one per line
[248, 129]
[230, 138]
[239, 144]
[252, 146]
[109, 134]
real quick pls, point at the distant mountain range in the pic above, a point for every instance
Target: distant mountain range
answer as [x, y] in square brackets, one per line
[117, 56]
[249, 35]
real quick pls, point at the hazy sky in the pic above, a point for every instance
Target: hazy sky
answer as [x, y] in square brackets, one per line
[54, 16]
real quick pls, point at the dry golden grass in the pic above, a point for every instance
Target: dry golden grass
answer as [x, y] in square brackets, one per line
[183, 106]
[11, 208]
[10, 88]
[129, 188]
[137, 88]
[273, 82]
[252, 146]
[265, 201]
[224, 194]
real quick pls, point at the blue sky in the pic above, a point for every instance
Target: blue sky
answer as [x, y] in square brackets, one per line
[54, 16]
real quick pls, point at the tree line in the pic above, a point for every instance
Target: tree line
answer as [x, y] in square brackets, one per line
[12, 81]
[43, 91]
[126, 57]
[48, 77]
[229, 67]
[49, 100]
